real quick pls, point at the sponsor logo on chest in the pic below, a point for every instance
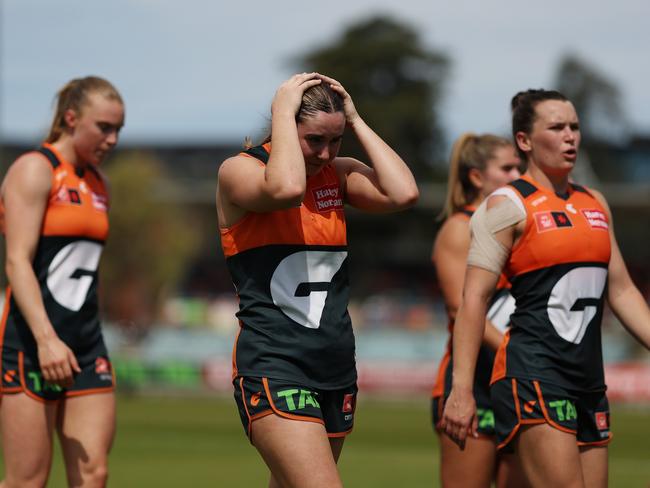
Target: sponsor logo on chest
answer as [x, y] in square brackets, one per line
[595, 218]
[72, 196]
[100, 202]
[68, 195]
[550, 220]
[328, 198]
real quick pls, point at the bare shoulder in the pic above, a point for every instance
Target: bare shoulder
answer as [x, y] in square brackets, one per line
[31, 161]
[30, 171]
[457, 223]
[238, 166]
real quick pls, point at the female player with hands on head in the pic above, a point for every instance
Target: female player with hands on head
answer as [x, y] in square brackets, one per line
[56, 374]
[555, 242]
[281, 214]
[479, 165]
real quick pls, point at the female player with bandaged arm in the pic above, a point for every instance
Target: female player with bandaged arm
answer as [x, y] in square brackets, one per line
[554, 240]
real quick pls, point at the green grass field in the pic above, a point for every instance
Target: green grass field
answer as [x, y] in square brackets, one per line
[199, 441]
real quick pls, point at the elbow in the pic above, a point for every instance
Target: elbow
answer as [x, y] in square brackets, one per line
[289, 195]
[10, 269]
[16, 266]
[407, 198]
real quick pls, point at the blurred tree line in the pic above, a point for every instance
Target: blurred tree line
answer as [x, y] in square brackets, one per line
[152, 240]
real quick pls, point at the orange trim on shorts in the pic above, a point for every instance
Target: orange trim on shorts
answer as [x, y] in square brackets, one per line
[302, 418]
[243, 396]
[77, 393]
[21, 375]
[604, 442]
[260, 415]
[15, 389]
[66, 394]
[251, 419]
[515, 429]
[336, 435]
[532, 421]
[439, 385]
[106, 389]
[545, 412]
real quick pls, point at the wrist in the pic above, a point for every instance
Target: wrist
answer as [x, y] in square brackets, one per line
[283, 110]
[354, 122]
[44, 335]
[462, 383]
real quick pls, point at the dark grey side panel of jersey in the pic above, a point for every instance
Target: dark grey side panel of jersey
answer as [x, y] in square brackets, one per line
[66, 269]
[555, 332]
[293, 307]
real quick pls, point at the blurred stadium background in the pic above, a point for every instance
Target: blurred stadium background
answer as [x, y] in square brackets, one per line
[169, 304]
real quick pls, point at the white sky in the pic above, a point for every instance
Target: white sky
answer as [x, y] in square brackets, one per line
[206, 70]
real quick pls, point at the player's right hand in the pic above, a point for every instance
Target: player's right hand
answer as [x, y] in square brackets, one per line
[288, 97]
[58, 362]
[459, 416]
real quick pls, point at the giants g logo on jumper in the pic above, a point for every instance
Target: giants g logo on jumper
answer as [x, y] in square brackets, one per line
[328, 198]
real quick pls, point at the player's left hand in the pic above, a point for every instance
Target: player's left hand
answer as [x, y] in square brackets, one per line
[351, 114]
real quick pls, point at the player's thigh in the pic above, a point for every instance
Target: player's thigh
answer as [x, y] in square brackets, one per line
[297, 452]
[27, 425]
[549, 456]
[595, 471]
[471, 467]
[509, 473]
[86, 428]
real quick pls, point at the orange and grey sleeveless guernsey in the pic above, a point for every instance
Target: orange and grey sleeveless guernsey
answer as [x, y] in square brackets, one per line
[499, 310]
[74, 228]
[289, 268]
[558, 272]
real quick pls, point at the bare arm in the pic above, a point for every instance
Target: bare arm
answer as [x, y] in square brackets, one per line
[623, 296]
[459, 417]
[389, 184]
[246, 185]
[25, 192]
[450, 258]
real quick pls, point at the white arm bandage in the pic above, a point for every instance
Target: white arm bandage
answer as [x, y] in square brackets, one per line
[485, 251]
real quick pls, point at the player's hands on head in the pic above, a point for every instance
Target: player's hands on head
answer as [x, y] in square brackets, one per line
[351, 114]
[289, 94]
